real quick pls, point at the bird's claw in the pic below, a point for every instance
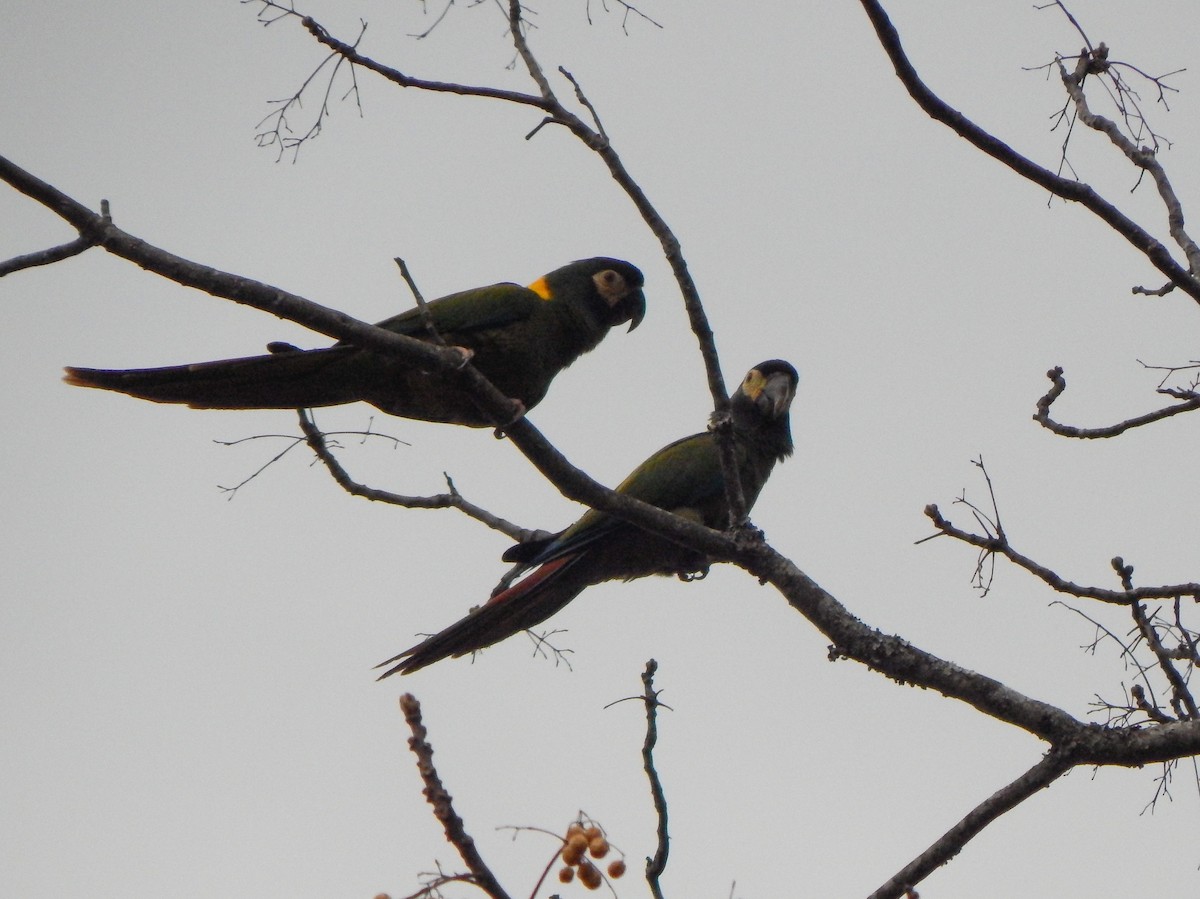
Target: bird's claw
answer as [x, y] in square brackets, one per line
[518, 412]
[720, 422]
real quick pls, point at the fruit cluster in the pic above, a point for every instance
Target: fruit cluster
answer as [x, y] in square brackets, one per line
[579, 843]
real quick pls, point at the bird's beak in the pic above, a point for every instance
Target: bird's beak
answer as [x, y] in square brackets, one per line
[777, 394]
[632, 309]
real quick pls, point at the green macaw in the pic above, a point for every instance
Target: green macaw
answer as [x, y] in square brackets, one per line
[518, 337]
[683, 477]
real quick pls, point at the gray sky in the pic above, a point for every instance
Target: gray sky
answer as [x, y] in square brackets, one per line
[185, 680]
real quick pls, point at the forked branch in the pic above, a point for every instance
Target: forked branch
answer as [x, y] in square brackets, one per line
[994, 541]
[1068, 189]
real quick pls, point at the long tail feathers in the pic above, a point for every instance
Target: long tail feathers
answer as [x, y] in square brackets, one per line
[523, 605]
[281, 380]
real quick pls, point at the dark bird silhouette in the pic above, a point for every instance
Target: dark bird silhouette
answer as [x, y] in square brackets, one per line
[684, 477]
[520, 338]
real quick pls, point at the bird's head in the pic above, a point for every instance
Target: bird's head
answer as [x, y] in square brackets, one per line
[770, 387]
[610, 289]
[761, 403]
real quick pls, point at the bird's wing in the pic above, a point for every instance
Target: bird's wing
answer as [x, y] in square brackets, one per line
[683, 475]
[471, 310]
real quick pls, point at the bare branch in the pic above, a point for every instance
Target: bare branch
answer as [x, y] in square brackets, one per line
[1059, 384]
[316, 441]
[421, 35]
[628, 10]
[516, 31]
[350, 53]
[1053, 765]
[1181, 698]
[426, 316]
[997, 544]
[292, 442]
[443, 808]
[1070, 18]
[656, 866]
[1130, 658]
[279, 134]
[46, 257]
[272, 11]
[1153, 712]
[1068, 189]
[1143, 157]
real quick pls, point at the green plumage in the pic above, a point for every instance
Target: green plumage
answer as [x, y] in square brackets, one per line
[520, 338]
[684, 477]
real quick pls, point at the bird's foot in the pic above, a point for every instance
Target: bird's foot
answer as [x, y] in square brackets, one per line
[720, 422]
[747, 536]
[466, 354]
[518, 412]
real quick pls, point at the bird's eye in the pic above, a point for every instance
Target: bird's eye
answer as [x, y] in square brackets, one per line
[610, 284]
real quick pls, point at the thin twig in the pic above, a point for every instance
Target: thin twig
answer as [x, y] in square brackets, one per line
[1182, 700]
[996, 544]
[426, 315]
[452, 500]
[351, 54]
[1128, 654]
[658, 864]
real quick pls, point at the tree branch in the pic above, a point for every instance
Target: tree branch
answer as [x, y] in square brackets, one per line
[999, 544]
[1066, 188]
[1059, 384]
[656, 866]
[1052, 766]
[1143, 157]
[350, 53]
[443, 809]
[1182, 700]
[901, 661]
[46, 257]
[315, 438]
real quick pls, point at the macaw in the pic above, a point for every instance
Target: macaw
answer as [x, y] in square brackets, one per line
[518, 337]
[683, 477]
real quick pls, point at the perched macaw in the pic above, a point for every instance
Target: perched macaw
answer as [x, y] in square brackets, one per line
[683, 477]
[518, 337]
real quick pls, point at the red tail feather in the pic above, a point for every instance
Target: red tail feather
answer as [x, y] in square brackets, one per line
[528, 582]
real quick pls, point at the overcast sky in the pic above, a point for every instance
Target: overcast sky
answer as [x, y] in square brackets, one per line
[185, 678]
